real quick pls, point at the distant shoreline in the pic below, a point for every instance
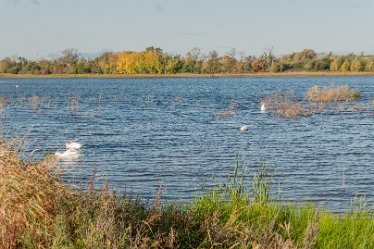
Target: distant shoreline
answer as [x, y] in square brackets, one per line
[188, 75]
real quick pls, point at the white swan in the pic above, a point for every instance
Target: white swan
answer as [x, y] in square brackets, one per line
[263, 108]
[244, 128]
[69, 154]
[73, 146]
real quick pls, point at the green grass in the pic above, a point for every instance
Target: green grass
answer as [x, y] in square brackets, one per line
[38, 211]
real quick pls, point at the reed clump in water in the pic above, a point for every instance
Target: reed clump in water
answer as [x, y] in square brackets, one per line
[3, 103]
[332, 94]
[285, 106]
[73, 103]
[34, 102]
[231, 110]
[38, 211]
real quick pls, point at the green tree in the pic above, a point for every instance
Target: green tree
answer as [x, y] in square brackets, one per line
[213, 64]
[173, 64]
[6, 64]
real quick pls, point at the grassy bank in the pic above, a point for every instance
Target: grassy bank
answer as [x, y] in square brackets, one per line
[189, 75]
[37, 210]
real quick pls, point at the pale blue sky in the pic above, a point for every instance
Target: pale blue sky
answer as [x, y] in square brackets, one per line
[43, 27]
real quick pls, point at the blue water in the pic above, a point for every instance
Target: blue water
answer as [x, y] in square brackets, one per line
[143, 133]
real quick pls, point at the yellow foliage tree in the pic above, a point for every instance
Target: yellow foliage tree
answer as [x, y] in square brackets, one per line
[335, 64]
[356, 66]
[345, 66]
[107, 63]
[126, 62]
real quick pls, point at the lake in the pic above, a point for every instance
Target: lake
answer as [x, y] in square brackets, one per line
[142, 133]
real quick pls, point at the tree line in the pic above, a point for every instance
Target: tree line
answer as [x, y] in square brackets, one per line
[155, 61]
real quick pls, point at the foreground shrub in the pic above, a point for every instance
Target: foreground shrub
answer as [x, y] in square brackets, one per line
[29, 193]
[332, 94]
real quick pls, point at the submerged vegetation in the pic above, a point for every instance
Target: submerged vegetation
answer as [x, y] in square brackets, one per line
[37, 210]
[155, 61]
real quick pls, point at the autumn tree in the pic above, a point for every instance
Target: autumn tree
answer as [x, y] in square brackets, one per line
[336, 64]
[6, 64]
[356, 65]
[213, 64]
[107, 63]
[192, 62]
[173, 64]
[345, 66]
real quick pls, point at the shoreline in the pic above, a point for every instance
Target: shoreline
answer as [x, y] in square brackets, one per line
[187, 75]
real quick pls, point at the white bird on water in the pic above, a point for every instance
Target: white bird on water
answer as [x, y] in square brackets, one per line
[244, 128]
[73, 146]
[69, 154]
[263, 108]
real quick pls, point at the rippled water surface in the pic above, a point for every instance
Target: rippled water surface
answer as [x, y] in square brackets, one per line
[140, 133]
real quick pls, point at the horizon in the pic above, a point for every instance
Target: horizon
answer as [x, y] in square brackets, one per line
[37, 29]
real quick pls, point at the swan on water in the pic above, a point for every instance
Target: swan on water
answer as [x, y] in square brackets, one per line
[244, 128]
[73, 146]
[263, 108]
[69, 154]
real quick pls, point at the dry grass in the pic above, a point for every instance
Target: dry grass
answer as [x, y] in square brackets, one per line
[28, 196]
[3, 103]
[285, 106]
[332, 94]
[320, 100]
[34, 102]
